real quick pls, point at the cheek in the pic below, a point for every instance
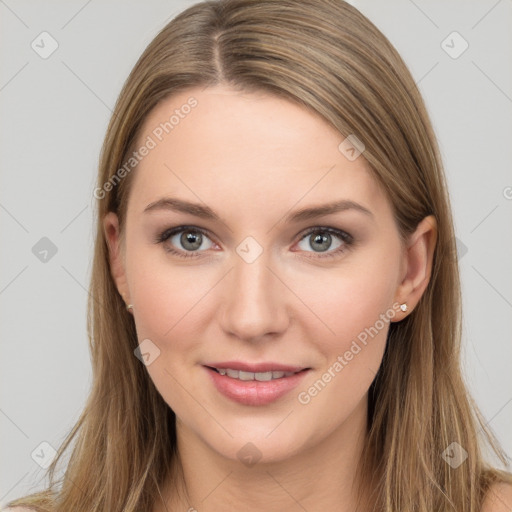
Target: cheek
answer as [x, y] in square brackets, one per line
[352, 355]
[356, 304]
[169, 302]
[166, 296]
[349, 300]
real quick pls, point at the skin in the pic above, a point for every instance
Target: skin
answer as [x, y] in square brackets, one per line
[254, 158]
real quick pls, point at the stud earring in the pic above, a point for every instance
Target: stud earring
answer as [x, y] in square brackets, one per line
[129, 306]
[403, 307]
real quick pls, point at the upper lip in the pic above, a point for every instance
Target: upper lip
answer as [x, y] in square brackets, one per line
[256, 367]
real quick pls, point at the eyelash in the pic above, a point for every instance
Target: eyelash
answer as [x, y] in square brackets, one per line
[346, 238]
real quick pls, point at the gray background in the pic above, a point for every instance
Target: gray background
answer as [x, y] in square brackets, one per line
[54, 114]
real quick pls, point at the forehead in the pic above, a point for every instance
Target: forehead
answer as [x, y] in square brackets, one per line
[239, 149]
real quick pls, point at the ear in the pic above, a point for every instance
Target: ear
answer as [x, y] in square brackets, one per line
[116, 254]
[417, 264]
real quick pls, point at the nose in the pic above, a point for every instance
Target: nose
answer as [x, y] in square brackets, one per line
[255, 304]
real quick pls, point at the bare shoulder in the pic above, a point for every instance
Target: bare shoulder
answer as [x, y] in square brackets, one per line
[499, 498]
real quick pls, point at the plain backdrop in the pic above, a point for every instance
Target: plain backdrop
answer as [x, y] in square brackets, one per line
[54, 113]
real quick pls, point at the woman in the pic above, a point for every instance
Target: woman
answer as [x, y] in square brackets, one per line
[275, 299]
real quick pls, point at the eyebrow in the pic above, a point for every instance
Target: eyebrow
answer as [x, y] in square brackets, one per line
[205, 212]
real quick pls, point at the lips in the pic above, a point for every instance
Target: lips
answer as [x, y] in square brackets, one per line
[254, 384]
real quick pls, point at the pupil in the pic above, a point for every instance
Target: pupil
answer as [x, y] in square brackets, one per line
[318, 239]
[193, 239]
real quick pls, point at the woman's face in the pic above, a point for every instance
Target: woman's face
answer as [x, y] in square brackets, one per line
[252, 279]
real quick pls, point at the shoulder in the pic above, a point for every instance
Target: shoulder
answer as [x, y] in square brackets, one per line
[498, 499]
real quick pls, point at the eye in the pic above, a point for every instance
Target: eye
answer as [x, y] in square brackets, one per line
[320, 240]
[191, 240]
[188, 237]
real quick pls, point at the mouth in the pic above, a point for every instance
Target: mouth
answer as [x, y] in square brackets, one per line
[255, 384]
[258, 376]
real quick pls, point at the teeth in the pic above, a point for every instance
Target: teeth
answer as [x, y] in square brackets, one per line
[259, 376]
[245, 375]
[263, 376]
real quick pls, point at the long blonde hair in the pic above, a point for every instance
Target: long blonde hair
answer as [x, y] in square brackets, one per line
[326, 56]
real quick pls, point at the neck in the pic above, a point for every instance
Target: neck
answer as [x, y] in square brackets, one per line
[321, 477]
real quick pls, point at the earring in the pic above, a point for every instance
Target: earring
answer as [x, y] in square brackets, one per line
[129, 306]
[403, 307]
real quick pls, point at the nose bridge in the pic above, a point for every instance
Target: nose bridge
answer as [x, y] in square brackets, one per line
[255, 303]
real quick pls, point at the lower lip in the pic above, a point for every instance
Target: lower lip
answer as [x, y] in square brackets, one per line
[254, 392]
